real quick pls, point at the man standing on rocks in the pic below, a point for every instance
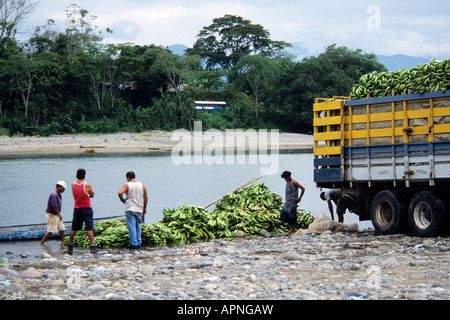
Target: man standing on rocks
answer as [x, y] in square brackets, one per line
[135, 208]
[82, 213]
[289, 212]
[54, 217]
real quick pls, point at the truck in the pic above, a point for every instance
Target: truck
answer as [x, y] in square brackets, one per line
[391, 155]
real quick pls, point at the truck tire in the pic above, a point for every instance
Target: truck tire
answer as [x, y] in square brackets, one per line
[427, 216]
[388, 213]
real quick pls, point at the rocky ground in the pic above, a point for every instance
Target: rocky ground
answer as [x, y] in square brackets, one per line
[305, 266]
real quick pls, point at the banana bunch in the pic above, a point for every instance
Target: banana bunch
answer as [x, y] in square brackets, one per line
[108, 233]
[157, 234]
[102, 226]
[254, 198]
[188, 223]
[115, 236]
[304, 219]
[251, 210]
[433, 76]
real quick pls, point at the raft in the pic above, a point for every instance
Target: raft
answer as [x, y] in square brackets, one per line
[37, 231]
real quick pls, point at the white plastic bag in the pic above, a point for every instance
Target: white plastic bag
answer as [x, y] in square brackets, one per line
[323, 223]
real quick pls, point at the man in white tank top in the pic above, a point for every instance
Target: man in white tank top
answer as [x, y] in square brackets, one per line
[135, 207]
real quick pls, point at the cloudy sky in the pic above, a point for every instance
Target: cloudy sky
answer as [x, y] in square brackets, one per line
[410, 27]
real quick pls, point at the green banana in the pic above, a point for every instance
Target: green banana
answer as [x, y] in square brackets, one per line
[250, 210]
[433, 76]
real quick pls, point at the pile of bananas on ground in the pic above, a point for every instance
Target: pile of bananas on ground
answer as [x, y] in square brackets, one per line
[249, 210]
[107, 234]
[433, 76]
[187, 223]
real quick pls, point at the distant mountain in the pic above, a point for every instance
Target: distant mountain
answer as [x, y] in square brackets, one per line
[178, 49]
[400, 61]
[300, 51]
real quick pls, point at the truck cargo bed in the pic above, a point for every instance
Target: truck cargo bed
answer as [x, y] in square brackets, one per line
[398, 138]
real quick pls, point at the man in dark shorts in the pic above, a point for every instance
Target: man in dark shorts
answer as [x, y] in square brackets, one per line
[289, 213]
[336, 196]
[82, 213]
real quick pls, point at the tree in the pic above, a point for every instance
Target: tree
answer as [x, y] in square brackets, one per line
[332, 73]
[231, 37]
[13, 12]
[80, 28]
[259, 73]
[177, 70]
[23, 68]
[144, 82]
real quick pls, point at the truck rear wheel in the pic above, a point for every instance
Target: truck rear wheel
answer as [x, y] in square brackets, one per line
[427, 215]
[388, 212]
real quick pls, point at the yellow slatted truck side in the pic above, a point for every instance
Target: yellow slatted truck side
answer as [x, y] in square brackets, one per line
[392, 155]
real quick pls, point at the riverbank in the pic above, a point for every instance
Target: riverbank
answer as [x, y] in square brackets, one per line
[154, 141]
[305, 266]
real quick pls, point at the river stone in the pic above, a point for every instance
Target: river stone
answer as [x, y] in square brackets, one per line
[15, 287]
[291, 256]
[387, 294]
[239, 234]
[117, 258]
[265, 233]
[30, 273]
[9, 273]
[96, 287]
[147, 270]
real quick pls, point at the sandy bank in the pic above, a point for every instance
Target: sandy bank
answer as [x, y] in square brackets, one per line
[155, 141]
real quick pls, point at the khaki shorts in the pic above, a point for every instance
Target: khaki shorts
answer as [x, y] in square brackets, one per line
[54, 224]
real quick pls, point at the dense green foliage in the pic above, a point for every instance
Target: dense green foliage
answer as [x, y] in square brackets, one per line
[71, 81]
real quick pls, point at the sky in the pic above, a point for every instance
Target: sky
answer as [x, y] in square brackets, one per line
[409, 27]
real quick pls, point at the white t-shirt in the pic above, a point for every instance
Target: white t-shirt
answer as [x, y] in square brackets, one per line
[135, 197]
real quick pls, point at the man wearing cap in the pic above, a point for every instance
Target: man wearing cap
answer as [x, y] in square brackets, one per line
[54, 217]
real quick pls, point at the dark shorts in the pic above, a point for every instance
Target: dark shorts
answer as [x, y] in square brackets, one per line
[83, 215]
[289, 214]
[341, 206]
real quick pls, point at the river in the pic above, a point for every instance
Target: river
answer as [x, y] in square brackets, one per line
[27, 183]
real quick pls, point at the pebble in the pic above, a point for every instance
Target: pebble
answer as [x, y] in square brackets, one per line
[328, 266]
[30, 273]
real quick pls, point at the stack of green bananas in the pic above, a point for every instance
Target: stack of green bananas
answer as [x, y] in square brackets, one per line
[115, 236]
[249, 210]
[304, 220]
[81, 239]
[108, 233]
[433, 76]
[188, 223]
[157, 234]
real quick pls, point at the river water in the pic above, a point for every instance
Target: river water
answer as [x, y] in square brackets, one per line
[27, 183]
